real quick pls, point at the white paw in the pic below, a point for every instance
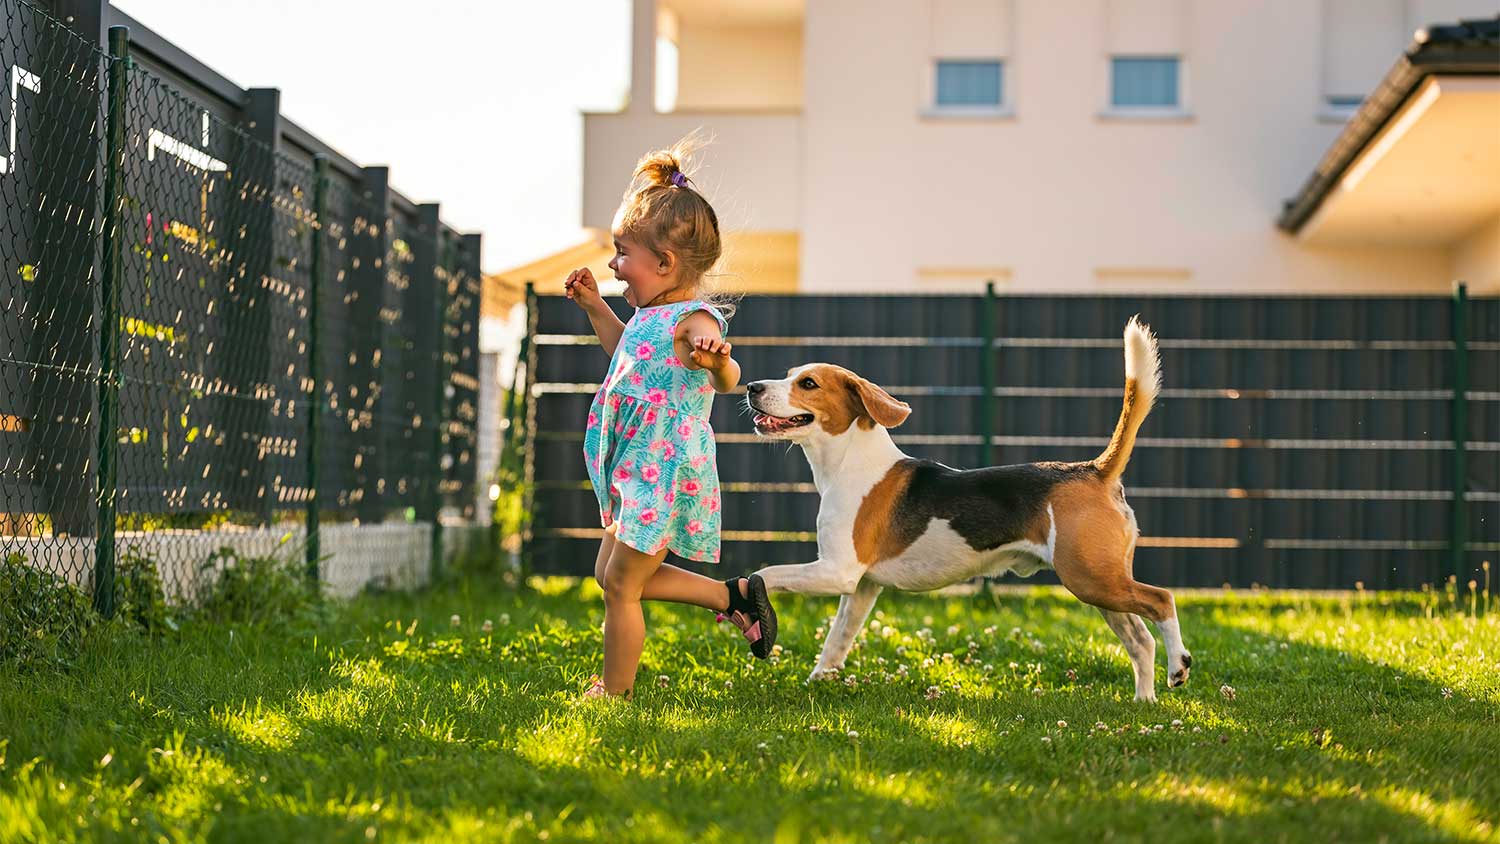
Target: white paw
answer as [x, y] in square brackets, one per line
[1178, 675]
[823, 673]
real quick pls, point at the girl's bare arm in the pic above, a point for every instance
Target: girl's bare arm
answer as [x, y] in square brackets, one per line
[584, 290]
[698, 335]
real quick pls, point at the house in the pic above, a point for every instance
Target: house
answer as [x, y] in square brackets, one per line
[1090, 146]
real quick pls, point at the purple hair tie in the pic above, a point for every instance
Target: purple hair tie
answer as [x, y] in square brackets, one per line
[679, 179]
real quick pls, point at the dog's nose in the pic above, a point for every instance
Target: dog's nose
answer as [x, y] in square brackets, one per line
[755, 388]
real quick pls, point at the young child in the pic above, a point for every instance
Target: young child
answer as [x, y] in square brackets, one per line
[648, 444]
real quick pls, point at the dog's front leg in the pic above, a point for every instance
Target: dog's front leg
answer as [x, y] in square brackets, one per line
[853, 611]
[820, 577]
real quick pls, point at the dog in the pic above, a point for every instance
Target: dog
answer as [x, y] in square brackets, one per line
[889, 520]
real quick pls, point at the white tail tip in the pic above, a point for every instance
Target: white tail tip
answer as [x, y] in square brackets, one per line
[1142, 359]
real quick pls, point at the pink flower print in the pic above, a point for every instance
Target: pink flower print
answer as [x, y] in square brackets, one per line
[614, 402]
[669, 451]
[648, 516]
[684, 430]
[669, 496]
[691, 487]
[628, 503]
[637, 379]
[650, 473]
[712, 504]
[593, 419]
[694, 527]
[630, 432]
[650, 416]
[706, 388]
[644, 351]
[698, 461]
[656, 396]
[629, 464]
[622, 474]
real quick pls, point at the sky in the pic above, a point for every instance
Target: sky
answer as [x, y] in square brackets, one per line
[476, 105]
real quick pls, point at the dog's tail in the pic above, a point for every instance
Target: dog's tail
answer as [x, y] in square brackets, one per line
[1142, 381]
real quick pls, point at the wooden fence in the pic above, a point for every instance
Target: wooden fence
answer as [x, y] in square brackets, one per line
[1298, 442]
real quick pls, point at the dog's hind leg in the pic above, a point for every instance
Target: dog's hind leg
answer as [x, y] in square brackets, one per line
[853, 611]
[1095, 558]
[1139, 646]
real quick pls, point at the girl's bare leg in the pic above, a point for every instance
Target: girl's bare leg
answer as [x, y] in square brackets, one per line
[670, 583]
[625, 580]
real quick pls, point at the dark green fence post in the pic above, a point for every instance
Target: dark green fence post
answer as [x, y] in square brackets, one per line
[528, 464]
[987, 373]
[106, 477]
[1459, 536]
[316, 269]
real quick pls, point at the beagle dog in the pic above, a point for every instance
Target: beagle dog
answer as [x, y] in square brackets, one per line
[889, 520]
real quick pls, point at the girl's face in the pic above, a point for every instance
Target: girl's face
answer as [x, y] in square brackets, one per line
[646, 275]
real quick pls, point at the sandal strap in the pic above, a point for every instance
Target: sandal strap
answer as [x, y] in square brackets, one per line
[749, 626]
[738, 602]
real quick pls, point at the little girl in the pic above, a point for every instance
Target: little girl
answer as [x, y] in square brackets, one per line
[648, 444]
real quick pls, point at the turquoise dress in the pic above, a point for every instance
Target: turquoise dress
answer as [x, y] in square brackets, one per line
[649, 445]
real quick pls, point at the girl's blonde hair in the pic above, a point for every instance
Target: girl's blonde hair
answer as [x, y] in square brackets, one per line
[664, 212]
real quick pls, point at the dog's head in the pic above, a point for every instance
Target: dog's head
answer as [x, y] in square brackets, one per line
[820, 400]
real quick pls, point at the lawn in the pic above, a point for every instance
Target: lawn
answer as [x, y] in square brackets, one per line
[977, 718]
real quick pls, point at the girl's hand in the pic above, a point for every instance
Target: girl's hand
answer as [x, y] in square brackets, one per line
[711, 353]
[583, 289]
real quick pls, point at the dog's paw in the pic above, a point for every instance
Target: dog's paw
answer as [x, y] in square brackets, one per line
[1148, 696]
[823, 673]
[1179, 675]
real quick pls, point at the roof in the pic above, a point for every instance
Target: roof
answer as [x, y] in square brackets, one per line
[507, 288]
[1468, 48]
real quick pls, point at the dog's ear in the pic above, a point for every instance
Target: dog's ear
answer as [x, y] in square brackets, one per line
[880, 407]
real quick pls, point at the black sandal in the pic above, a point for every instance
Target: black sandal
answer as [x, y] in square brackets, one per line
[753, 615]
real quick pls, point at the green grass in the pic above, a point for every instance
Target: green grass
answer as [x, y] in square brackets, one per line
[1353, 719]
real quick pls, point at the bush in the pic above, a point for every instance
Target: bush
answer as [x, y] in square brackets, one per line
[142, 600]
[258, 590]
[43, 618]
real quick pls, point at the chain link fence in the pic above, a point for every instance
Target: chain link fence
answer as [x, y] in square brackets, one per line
[214, 341]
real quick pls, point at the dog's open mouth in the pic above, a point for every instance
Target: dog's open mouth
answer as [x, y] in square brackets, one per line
[767, 424]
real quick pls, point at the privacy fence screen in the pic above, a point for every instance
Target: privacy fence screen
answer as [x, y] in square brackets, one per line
[1299, 442]
[216, 332]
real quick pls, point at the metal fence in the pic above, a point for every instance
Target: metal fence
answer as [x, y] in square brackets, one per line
[216, 331]
[1299, 442]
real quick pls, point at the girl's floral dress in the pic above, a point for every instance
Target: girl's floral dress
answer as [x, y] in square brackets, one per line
[649, 446]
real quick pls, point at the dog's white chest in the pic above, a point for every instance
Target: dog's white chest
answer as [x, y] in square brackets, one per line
[940, 557]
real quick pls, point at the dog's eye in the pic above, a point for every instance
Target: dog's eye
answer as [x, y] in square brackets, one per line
[808, 384]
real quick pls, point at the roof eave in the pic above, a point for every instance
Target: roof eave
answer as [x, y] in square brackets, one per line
[1468, 49]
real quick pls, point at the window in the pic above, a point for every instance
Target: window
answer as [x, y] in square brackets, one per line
[1145, 82]
[969, 83]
